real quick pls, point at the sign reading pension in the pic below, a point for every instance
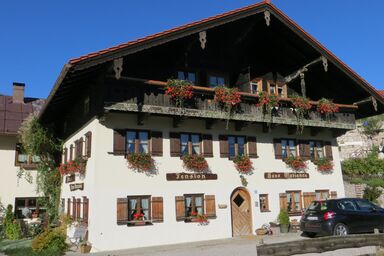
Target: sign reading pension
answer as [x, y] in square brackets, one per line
[286, 175]
[191, 176]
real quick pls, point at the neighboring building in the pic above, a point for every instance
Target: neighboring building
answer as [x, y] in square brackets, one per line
[111, 103]
[15, 189]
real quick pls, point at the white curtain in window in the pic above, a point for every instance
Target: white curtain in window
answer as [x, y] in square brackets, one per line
[143, 137]
[131, 136]
[184, 144]
[22, 158]
[195, 144]
[297, 201]
[145, 208]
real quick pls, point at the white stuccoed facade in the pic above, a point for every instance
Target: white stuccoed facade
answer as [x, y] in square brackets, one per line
[11, 186]
[108, 178]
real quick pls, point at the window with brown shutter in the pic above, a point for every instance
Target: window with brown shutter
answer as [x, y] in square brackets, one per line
[328, 150]
[157, 209]
[65, 155]
[294, 202]
[76, 153]
[81, 145]
[139, 210]
[88, 144]
[180, 208]
[71, 152]
[122, 211]
[277, 148]
[308, 197]
[316, 149]
[304, 150]
[322, 194]
[210, 206]
[252, 147]
[207, 145]
[157, 143]
[119, 142]
[73, 208]
[333, 194]
[175, 144]
[85, 209]
[224, 150]
[78, 209]
[283, 201]
[69, 207]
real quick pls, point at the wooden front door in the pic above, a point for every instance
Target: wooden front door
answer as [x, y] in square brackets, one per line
[241, 213]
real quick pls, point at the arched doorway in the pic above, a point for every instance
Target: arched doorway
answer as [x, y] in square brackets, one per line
[241, 212]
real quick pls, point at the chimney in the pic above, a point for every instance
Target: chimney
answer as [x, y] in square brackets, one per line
[18, 92]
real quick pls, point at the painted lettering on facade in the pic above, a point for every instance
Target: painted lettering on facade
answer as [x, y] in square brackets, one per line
[191, 176]
[286, 175]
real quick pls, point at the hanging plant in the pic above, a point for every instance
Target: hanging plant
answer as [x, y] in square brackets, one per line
[267, 102]
[327, 107]
[179, 91]
[227, 99]
[72, 167]
[301, 107]
[196, 163]
[324, 164]
[296, 164]
[243, 164]
[141, 162]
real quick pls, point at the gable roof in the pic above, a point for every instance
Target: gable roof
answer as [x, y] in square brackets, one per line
[109, 54]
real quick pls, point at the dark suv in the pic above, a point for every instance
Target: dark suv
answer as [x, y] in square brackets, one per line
[341, 217]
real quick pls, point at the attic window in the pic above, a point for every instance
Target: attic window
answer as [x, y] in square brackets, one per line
[215, 81]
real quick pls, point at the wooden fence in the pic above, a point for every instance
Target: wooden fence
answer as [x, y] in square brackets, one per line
[319, 245]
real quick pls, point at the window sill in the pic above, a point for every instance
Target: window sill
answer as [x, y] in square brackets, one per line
[294, 213]
[27, 166]
[136, 223]
[265, 211]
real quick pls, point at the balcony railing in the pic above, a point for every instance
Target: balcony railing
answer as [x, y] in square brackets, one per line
[148, 96]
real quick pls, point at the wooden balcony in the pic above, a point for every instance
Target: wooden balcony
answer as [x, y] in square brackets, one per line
[146, 98]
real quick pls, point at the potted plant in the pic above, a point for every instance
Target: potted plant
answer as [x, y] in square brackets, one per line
[141, 162]
[301, 106]
[296, 164]
[196, 163]
[227, 99]
[200, 218]
[267, 102]
[324, 164]
[179, 91]
[283, 220]
[243, 164]
[85, 247]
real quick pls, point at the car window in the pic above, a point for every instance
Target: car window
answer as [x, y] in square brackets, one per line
[347, 205]
[365, 205]
[318, 206]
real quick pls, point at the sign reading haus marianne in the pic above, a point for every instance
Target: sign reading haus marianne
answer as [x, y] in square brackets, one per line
[286, 175]
[191, 176]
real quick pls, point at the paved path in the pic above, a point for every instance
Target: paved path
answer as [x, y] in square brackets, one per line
[225, 247]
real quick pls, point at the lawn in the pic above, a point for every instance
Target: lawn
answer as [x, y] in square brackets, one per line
[17, 248]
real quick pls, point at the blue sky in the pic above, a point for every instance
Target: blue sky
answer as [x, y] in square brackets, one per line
[38, 37]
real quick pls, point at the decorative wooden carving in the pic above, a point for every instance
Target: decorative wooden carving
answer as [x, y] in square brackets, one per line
[302, 84]
[286, 175]
[203, 39]
[374, 103]
[325, 63]
[191, 176]
[118, 67]
[267, 17]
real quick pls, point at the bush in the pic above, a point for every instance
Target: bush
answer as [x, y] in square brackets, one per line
[283, 217]
[372, 193]
[50, 242]
[12, 228]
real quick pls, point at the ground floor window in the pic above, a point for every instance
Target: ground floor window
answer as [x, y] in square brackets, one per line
[139, 208]
[293, 201]
[264, 205]
[194, 204]
[322, 194]
[28, 207]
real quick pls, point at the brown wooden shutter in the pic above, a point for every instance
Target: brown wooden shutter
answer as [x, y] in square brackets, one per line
[76, 142]
[71, 152]
[328, 150]
[333, 194]
[73, 208]
[157, 143]
[277, 147]
[81, 146]
[252, 147]
[224, 150]
[78, 208]
[119, 142]
[207, 145]
[157, 209]
[88, 141]
[175, 143]
[65, 155]
[210, 206]
[283, 201]
[69, 207]
[180, 208]
[308, 198]
[85, 209]
[304, 150]
[122, 211]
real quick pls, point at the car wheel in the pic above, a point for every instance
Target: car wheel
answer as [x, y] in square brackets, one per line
[340, 230]
[310, 234]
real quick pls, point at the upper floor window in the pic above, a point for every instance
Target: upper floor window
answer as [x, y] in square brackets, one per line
[189, 76]
[236, 146]
[137, 142]
[316, 149]
[288, 148]
[214, 81]
[190, 144]
[21, 158]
